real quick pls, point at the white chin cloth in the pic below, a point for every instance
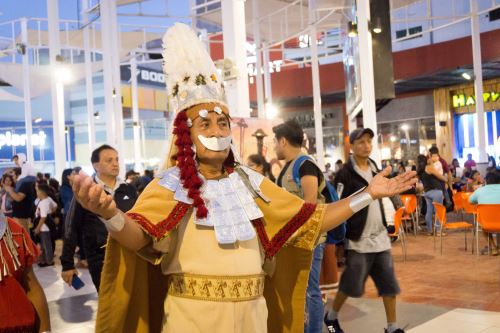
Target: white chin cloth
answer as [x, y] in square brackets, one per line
[215, 144]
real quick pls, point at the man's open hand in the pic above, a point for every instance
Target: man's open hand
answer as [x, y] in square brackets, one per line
[381, 186]
[93, 197]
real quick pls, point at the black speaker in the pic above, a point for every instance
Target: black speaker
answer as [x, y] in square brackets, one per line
[380, 26]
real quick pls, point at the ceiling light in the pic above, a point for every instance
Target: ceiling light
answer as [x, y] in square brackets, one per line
[377, 25]
[466, 76]
[37, 120]
[352, 29]
[405, 127]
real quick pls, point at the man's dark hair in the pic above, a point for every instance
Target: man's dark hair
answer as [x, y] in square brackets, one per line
[46, 175]
[17, 171]
[94, 158]
[45, 188]
[291, 131]
[492, 177]
[434, 150]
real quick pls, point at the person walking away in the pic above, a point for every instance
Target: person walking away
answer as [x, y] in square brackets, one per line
[288, 140]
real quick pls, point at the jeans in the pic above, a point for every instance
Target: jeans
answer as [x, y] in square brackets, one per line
[430, 197]
[314, 303]
[47, 256]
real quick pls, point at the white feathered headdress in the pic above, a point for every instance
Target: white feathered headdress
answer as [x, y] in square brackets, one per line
[190, 73]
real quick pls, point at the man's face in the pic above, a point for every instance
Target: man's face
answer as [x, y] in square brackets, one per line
[16, 160]
[108, 163]
[362, 147]
[279, 147]
[213, 126]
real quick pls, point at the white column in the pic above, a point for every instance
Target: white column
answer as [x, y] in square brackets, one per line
[135, 115]
[478, 82]
[57, 92]
[27, 93]
[88, 81]
[117, 99]
[267, 75]
[234, 32]
[367, 78]
[107, 72]
[318, 117]
[258, 64]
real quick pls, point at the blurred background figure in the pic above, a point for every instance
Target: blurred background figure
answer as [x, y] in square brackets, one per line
[258, 163]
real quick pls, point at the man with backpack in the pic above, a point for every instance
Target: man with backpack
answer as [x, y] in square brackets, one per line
[302, 177]
[368, 248]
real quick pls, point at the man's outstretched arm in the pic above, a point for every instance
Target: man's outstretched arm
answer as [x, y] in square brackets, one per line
[121, 227]
[381, 186]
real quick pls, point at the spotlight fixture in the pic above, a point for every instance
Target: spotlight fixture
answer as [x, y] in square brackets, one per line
[377, 25]
[405, 127]
[96, 115]
[352, 29]
[37, 120]
[114, 93]
[466, 76]
[137, 124]
[21, 48]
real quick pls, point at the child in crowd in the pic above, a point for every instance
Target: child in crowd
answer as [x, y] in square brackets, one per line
[45, 206]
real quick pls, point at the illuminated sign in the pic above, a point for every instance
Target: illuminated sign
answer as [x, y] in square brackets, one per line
[461, 100]
[8, 139]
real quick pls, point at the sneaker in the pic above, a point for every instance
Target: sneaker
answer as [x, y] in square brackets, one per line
[399, 330]
[332, 326]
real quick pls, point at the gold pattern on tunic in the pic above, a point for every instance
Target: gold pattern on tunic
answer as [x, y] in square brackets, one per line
[216, 288]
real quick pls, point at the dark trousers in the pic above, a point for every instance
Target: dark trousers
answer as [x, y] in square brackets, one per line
[95, 269]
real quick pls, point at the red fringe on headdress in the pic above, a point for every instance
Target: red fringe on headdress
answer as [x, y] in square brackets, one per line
[186, 163]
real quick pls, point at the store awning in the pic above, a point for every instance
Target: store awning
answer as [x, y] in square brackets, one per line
[40, 76]
[7, 96]
[129, 40]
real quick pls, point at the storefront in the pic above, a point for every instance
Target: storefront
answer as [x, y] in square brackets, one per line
[457, 122]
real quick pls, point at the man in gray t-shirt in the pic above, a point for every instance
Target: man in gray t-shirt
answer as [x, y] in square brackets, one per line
[368, 243]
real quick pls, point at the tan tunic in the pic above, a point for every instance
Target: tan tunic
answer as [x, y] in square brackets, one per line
[198, 252]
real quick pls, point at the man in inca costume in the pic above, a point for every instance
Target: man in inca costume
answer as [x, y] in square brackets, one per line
[210, 246]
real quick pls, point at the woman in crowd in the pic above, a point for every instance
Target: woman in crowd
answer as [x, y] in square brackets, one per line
[259, 164]
[431, 180]
[6, 206]
[475, 181]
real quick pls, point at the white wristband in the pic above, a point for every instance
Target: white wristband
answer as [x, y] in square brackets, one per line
[114, 224]
[360, 201]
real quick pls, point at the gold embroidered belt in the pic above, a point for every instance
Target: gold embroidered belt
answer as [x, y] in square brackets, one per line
[216, 288]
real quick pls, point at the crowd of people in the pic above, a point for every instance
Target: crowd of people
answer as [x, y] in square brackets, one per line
[210, 232]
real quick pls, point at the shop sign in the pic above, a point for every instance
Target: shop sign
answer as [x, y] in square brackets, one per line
[461, 100]
[145, 76]
[9, 139]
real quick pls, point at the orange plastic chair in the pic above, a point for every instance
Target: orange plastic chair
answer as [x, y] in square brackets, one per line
[441, 217]
[471, 209]
[399, 231]
[410, 205]
[488, 216]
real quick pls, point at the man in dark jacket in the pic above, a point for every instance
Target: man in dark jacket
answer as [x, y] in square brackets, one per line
[368, 244]
[79, 220]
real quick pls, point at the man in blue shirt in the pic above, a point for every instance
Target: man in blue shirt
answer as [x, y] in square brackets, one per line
[488, 195]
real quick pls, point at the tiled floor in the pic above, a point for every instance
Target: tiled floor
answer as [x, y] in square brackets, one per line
[454, 292]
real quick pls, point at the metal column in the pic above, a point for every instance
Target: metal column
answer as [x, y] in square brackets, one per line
[258, 63]
[234, 32]
[27, 93]
[318, 117]
[478, 81]
[367, 76]
[135, 115]
[88, 80]
[57, 89]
